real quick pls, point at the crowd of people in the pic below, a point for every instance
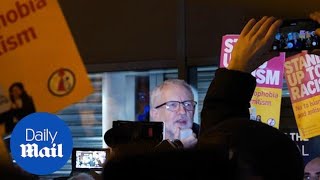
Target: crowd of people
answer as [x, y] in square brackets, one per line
[90, 159]
[227, 145]
[296, 40]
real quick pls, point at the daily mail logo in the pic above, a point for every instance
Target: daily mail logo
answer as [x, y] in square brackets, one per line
[41, 143]
[32, 150]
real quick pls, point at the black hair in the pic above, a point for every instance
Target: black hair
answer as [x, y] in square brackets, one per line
[21, 87]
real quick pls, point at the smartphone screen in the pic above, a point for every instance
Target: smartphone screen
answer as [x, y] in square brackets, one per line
[296, 35]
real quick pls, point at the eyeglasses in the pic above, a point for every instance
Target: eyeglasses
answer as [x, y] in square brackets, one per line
[174, 105]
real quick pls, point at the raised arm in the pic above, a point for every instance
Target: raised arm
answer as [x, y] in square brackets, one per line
[231, 90]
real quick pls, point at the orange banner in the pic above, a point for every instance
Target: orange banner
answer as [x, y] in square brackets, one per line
[40, 67]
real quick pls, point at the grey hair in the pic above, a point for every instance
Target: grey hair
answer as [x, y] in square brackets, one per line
[157, 90]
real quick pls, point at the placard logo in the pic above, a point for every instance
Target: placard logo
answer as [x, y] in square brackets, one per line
[61, 82]
[41, 143]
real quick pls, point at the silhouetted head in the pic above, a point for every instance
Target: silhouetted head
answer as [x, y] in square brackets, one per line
[261, 151]
[172, 165]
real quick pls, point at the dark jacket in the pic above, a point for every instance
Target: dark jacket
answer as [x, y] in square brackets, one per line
[259, 149]
[196, 129]
[27, 108]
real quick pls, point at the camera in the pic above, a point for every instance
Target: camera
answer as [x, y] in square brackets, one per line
[296, 35]
[124, 132]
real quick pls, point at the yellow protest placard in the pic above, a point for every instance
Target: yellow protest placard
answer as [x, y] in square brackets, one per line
[302, 73]
[40, 66]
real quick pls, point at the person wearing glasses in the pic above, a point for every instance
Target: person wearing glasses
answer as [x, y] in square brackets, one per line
[225, 123]
[230, 145]
[172, 102]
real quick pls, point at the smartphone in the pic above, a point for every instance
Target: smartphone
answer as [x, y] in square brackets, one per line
[296, 35]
